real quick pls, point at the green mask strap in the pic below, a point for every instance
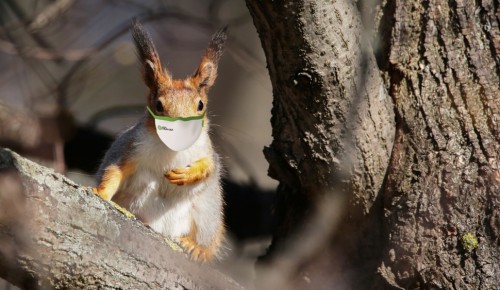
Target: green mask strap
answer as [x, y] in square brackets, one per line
[172, 119]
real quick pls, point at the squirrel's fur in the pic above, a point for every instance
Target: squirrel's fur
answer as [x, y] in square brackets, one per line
[177, 194]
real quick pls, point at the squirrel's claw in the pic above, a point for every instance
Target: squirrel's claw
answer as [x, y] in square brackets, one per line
[191, 173]
[178, 176]
[195, 251]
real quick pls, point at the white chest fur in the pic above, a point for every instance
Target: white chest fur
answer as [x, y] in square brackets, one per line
[165, 207]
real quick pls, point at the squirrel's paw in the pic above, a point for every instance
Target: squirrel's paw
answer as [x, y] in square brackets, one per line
[179, 176]
[124, 211]
[188, 175]
[196, 252]
[102, 193]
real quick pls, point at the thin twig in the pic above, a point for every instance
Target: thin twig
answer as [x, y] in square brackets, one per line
[44, 53]
[47, 15]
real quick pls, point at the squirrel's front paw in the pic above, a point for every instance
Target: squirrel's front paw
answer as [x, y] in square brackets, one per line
[183, 176]
[190, 174]
[178, 176]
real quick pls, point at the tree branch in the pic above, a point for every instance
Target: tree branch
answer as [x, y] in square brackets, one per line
[57, 234]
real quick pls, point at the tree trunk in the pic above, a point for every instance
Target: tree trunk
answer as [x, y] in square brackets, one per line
[55, 234]
[333, 122]
[442, 63]
[412, 221]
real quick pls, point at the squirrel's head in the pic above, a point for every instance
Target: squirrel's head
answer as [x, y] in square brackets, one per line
[177, 98]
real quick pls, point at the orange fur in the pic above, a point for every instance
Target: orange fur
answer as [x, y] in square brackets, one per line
[198, 252]
[150, 124]
[112, 178]
[195, 172]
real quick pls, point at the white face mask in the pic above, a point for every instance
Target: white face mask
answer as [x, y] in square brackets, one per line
[178, 133]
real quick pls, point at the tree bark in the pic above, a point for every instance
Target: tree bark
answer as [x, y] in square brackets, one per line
[423, 213]
[442, 64]
[333, 121]
[56, 234]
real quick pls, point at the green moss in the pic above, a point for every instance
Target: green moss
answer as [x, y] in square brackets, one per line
[123, 210]
[173, 245]
[469, 242]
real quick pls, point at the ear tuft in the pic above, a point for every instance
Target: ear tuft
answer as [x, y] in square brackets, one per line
[207, 71]
[147, 54]
[216, 44]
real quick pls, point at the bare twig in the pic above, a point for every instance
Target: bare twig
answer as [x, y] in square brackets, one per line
[51, 12]
[18, 11]
[44, 53]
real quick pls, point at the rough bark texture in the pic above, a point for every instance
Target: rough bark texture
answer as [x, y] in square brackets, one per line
[55, 234]
[435, 217]
[333, 122]
[443, 64]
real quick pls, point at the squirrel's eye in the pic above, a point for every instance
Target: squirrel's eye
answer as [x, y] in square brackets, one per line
[159, 106]
[200, 105]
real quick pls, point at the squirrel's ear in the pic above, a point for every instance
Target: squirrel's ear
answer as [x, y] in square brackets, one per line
[207, 72]
[151, 65]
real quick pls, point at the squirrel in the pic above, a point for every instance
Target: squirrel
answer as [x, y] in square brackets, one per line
[172, 187]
